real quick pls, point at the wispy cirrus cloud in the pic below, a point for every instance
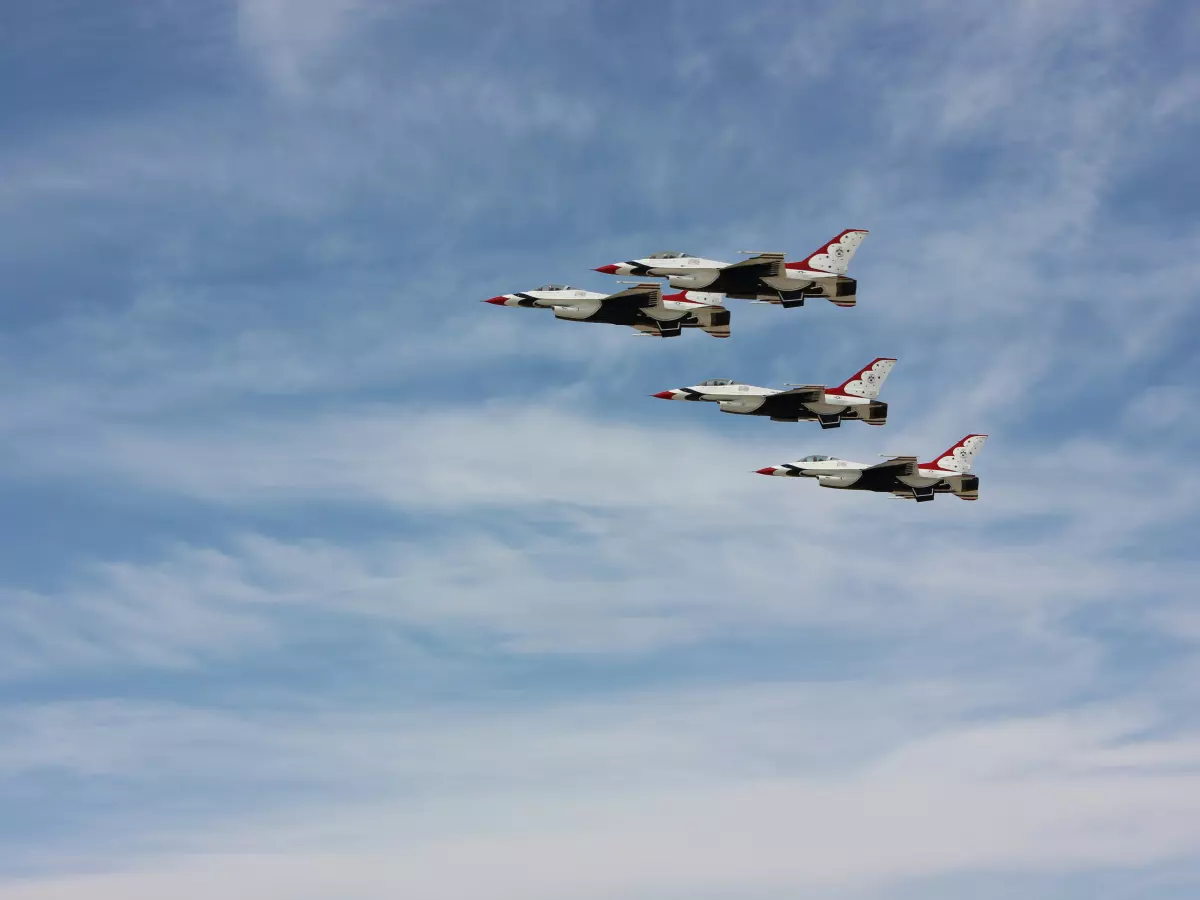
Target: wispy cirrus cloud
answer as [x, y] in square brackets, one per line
[1019, 793]
[539, 531]
[290, 39]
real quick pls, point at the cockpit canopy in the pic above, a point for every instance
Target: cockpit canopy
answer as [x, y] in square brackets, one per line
[817, 458]
[553, 287]
[718, 382]
[668, 254]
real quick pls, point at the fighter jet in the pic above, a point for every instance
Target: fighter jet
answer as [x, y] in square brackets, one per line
[765, 277]
[854, 398]
[642, 307]
[901, 476]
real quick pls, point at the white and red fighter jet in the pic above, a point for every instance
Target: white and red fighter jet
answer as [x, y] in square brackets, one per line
[901, 476]
[765, 277]
[642, 307]
[854, 398]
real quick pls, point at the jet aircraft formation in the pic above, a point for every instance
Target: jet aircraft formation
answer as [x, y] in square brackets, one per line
[703, 285]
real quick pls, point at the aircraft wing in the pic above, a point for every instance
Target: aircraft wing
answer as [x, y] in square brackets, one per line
[765, 265]
[641, 296]
[898, 465]
[804, 393]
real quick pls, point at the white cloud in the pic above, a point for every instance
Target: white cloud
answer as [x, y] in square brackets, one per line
[695, 792]
[290, 39]
[585, 536]
[118, 614]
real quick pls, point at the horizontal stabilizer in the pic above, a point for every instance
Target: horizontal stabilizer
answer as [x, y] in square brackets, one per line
[967, 487]
[714, 320]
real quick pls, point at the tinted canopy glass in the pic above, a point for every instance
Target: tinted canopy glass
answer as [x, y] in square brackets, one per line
[553, 287]
[667, 254]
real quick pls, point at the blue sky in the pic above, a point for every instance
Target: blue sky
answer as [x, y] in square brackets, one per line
[323, 580]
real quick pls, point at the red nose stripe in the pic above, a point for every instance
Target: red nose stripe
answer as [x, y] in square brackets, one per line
[610, 269]
[664, 395]
[769, 470]
[499, 301]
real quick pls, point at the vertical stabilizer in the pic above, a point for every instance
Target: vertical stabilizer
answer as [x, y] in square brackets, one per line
[867, 381]
[835, 255]
[959, 457]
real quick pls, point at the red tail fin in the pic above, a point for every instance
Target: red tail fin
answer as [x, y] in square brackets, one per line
[833, 257]
[959, 457]
[867, 381]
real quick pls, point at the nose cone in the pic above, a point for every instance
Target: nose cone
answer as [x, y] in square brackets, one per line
[610, 269]
[664, 395]
[769, 470]
[498, 301]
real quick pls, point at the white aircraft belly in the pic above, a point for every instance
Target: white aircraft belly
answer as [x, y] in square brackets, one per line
[916, 480]
[844, 478]
[578, 309]
[747, 404]
[666, 314]
[825, 408]
[701, 278]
